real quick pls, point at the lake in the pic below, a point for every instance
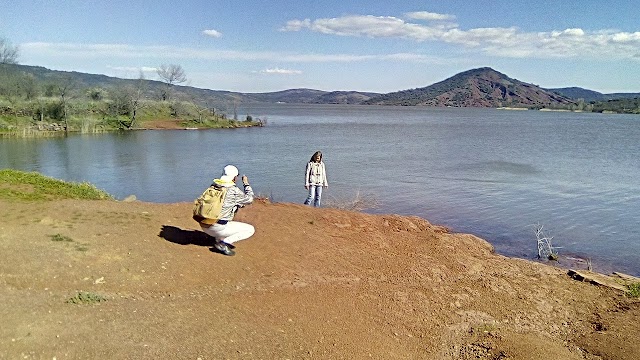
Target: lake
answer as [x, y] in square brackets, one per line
[492, 173]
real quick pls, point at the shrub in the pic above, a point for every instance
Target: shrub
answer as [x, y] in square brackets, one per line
[86, 298]
[60, 237]
[54, 111]
[633, 290]
[96, 94]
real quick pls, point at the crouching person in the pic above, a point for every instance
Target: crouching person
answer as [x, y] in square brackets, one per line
[223, 228]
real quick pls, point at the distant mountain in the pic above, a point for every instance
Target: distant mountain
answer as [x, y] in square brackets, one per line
[590, 95]
[344, 97]
[483, 87]
[579, 93]
[308, 96]
[205, 97]
[286, 96]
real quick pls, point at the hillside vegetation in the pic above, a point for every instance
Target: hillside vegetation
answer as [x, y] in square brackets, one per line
[35, 102]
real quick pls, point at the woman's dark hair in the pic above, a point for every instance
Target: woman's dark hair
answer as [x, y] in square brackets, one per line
[313, 157]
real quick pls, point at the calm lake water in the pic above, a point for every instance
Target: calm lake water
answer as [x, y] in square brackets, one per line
[492, 173]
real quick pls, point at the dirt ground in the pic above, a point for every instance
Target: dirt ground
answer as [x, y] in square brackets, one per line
[310, 284]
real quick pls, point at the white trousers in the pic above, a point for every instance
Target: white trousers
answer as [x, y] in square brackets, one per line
[230, 232]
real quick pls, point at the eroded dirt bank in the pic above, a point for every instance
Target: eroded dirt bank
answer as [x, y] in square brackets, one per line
[310, 284]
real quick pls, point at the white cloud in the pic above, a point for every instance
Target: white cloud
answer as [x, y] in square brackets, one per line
[429, 16]
[281, 71]
[498, 41]
[169, 53]
[131, 72]
[212, 33]
[508, 42]
[626, 37]
[371, 26]
[573, 32]
[296, 25]
[76, 50]
[133, 69]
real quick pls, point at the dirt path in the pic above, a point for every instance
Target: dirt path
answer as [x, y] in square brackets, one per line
[311, 284]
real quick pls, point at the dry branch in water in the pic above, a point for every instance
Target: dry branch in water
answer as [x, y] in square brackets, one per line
[545, 249]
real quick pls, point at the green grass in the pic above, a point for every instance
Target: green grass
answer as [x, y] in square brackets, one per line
[60, 238]
[66, 239]
[634, 290]
[82, 248]
[86, 298]
[20, 185]
[22, 119]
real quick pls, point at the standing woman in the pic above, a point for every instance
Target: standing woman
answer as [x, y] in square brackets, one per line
[315, 179]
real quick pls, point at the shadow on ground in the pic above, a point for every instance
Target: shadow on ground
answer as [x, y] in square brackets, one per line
[185, 237]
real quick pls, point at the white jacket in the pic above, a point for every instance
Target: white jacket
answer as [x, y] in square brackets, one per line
[315, 174]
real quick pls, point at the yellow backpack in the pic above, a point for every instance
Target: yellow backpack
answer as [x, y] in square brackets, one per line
[207, 208]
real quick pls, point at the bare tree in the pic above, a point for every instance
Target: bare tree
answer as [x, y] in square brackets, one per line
[29, 87]
[13, 97]
[201, 111]
[8, 53]
[171, 74]
[65, 90]
[136, 97]
[235, 109]
[129, 100]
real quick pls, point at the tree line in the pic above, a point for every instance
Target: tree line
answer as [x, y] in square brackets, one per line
[64, 102]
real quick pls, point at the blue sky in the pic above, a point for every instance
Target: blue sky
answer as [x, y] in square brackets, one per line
[379, 46]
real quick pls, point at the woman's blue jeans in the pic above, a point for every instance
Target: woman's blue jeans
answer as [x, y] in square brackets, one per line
[315, 193]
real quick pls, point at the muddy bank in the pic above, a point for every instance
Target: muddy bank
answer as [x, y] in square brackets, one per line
[131, 280]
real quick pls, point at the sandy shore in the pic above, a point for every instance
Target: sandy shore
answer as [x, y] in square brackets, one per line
[311, 284]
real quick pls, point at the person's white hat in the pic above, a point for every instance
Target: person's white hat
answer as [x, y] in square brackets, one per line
[229, 173]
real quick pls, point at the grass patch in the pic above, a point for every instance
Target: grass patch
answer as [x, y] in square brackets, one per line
[66, 239]
[33, 186]
[86, 298]
[633, 290]
[61, 238]
[82, 248]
